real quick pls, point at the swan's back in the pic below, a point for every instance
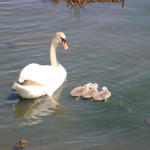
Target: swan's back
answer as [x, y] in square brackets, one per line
[45, 75]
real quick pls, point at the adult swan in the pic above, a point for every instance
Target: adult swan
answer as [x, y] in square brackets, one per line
[37, 80]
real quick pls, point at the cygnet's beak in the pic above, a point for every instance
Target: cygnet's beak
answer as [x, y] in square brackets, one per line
[65, 45]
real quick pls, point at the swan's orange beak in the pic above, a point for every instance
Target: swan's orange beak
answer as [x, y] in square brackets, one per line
[65, 45]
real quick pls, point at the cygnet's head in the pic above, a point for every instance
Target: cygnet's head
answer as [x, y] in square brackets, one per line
[89, 85]
[95, 85]
[104, 88]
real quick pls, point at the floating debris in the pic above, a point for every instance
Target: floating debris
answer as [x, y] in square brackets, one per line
[145, 125]
[11, 44]
[21, 145]
[147, 122]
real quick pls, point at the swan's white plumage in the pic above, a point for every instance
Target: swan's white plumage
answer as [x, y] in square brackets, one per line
[49, 78]
[30, 91]
[45, 75]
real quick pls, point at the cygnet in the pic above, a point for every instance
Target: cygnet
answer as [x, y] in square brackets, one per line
[88, 94]
[106, 93]
[78, 91]
[102, 95]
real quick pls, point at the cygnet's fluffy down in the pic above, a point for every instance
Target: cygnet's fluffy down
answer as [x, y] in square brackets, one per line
[91, 91]
[106, 93]
[78, 91]
[102, 95]
[98, 96]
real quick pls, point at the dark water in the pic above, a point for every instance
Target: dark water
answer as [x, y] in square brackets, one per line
[108, 44]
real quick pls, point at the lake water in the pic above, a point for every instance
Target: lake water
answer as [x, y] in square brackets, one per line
[108, 44]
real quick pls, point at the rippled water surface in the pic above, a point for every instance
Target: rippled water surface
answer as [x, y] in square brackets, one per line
[108, 44]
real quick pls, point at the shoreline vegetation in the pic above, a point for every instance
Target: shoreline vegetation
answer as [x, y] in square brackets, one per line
[82, 3]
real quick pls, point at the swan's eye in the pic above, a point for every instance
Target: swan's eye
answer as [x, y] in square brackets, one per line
[64, 43]
[63, 40]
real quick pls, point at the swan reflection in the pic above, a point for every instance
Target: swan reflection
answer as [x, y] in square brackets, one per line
[29, 112]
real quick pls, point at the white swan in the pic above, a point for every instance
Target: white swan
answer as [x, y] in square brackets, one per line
[38, 80]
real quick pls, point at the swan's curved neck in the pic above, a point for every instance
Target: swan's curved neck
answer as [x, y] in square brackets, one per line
[53, 58]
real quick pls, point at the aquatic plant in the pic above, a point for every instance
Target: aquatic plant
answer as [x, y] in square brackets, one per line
[82, 3]
[121, 104]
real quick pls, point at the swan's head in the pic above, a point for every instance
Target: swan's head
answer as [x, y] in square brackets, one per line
[62, 39]
[104, 88]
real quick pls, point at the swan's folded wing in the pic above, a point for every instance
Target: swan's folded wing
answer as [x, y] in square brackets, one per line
[45, 75]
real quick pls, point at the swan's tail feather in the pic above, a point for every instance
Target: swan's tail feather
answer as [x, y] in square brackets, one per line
[21, 80]
[23, 92]
[15, 85]
[29, 92]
